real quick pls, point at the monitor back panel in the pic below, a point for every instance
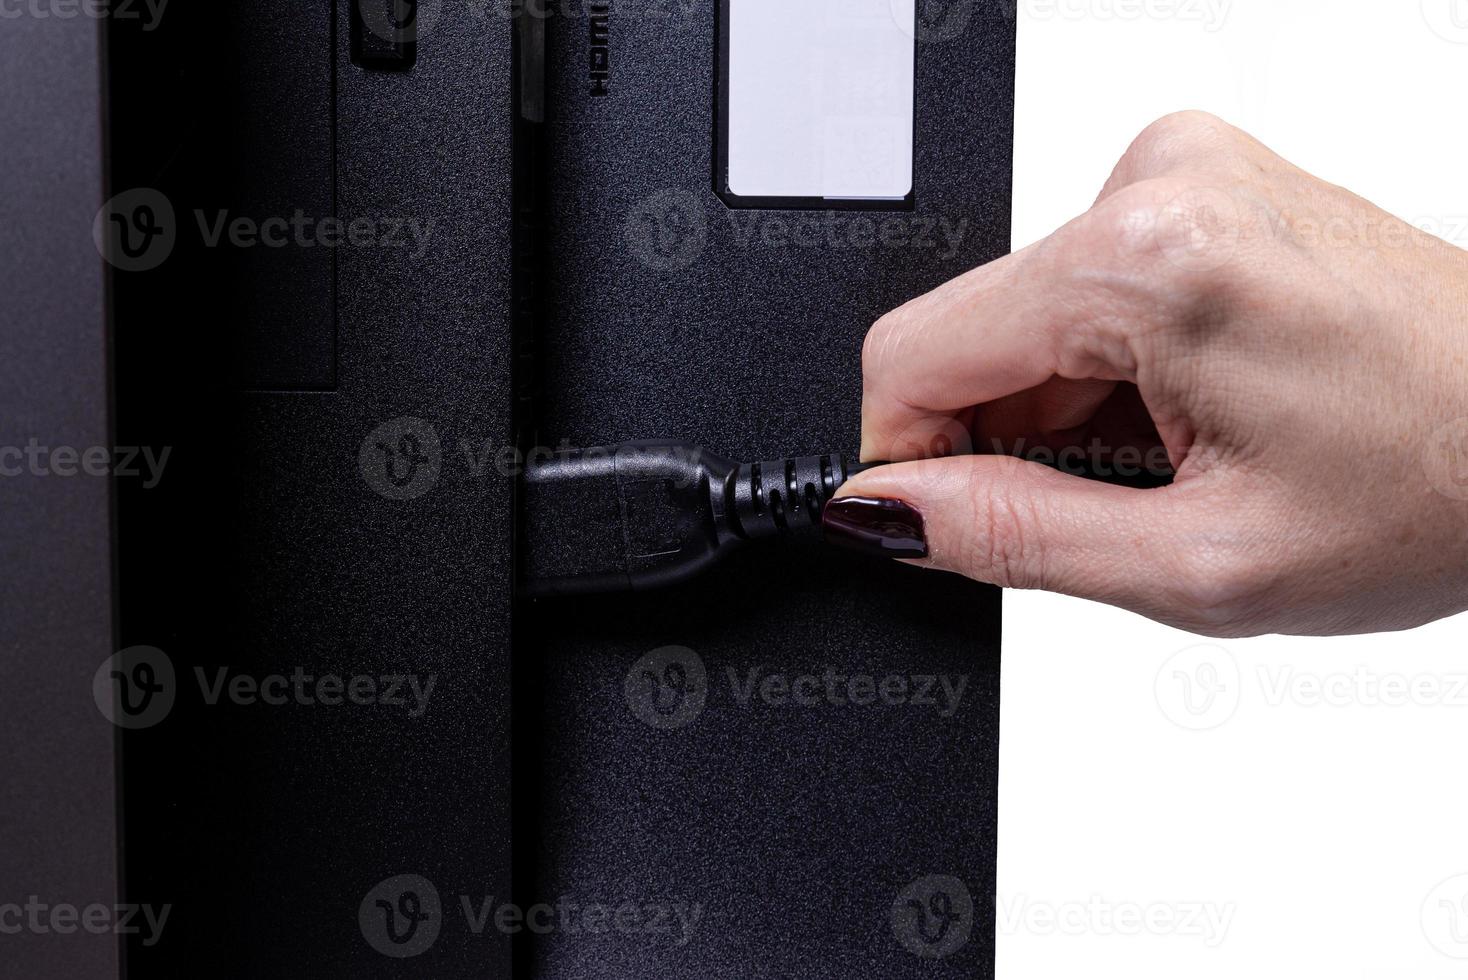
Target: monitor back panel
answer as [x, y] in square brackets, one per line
[712, 754]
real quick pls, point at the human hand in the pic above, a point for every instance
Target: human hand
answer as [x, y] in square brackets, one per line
[1297, 356]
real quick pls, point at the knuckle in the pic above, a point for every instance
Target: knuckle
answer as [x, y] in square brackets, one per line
[1191, 122]
[1177, 138]
[1125, 224]
[1179, 238]
[1137, 218]
[1180, 142]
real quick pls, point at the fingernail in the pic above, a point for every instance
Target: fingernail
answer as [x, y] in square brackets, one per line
[875, 526]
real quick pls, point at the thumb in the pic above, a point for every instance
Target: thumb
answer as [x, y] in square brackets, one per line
[1013, 523]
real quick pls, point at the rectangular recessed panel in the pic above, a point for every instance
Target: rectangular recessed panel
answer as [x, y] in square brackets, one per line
[818, 100]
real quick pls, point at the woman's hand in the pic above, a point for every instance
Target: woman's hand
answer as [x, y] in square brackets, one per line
[1298, 357]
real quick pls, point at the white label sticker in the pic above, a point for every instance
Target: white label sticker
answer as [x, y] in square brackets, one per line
[820, 98]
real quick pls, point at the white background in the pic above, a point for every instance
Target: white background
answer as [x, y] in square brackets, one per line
[1319, 827]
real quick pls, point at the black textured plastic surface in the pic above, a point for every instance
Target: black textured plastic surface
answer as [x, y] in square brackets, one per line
[665, 778]
[291, 532]
[274, 171]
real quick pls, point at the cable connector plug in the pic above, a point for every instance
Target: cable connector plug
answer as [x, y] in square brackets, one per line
[647, 514]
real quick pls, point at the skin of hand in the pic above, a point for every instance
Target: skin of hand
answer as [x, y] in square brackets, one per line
[1296, 356]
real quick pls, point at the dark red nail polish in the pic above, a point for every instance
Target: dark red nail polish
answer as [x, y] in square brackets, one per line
[875, 526]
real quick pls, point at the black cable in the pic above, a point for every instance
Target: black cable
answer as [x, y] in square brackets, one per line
[647, 514]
